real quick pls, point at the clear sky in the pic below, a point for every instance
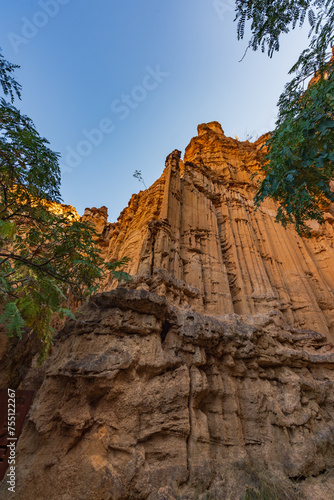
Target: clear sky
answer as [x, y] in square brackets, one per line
[115, 86]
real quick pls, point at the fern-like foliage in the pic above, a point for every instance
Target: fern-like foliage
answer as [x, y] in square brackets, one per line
[299, 163]
[116, 269]
[13, 319]
[48, 260]
[7, 81]
[271, 18]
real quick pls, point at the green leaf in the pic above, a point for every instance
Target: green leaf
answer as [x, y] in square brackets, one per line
[66, 312]
[326, 124]
[7, 229]
[12, 319]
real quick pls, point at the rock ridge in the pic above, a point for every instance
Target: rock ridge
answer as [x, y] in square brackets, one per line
[197, 224]
[212, 370]
[141, 397]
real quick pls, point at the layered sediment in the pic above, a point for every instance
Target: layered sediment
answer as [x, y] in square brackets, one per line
[195, 238]
[210, 374]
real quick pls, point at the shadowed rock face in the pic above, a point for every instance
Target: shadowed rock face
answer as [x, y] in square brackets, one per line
[216, 357]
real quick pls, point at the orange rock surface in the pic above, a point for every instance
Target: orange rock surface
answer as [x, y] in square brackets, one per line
[195, 238]
[210, 375]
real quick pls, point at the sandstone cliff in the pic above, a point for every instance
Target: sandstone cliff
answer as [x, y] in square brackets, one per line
[211, 374]
[194, 238]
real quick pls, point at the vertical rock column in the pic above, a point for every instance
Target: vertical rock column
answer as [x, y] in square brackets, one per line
[204, 267]
[161, 249]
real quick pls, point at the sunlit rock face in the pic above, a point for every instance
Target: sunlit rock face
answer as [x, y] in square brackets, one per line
[214, 363]
[195, 238]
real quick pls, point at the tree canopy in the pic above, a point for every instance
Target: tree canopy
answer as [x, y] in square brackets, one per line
[48, 257]
[299, 163]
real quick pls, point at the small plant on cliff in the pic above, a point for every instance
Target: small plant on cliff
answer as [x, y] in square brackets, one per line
[266, 484]
[48, 258]
[299, 164]
[138, 175]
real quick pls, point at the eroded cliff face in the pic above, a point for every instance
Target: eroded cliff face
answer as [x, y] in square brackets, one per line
[208, 375]
[195, 238]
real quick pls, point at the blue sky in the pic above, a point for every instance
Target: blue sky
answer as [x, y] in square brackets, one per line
[115, 86]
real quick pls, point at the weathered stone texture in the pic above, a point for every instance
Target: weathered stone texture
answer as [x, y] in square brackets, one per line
[195, 238]
[215, 362]
[140, 396]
